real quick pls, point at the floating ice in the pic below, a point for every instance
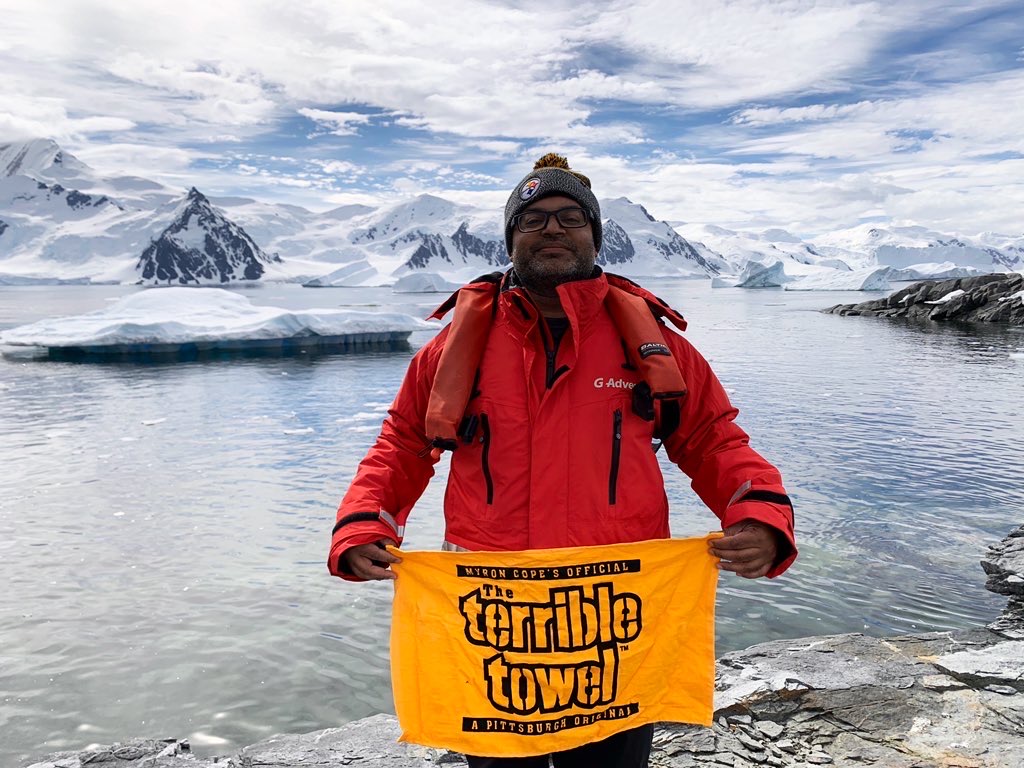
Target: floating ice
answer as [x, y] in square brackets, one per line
[163, 319]
[870, 279]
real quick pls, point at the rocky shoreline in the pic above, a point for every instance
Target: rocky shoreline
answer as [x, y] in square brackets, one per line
[987, 298]
[946, 699]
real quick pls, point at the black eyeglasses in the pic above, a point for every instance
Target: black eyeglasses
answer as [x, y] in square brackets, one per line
[534, 221]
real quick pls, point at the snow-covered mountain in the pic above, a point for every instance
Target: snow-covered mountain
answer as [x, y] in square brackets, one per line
[906, 247]
[44, 160]
[434, 235]
[637, 244]
[426, 234]
[61, 220]
[41, 159]
[903, 253]
[55, 231]
[201, 245]
[766, 247]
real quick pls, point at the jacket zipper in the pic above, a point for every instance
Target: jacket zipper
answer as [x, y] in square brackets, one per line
[485, 438]
[616, 448]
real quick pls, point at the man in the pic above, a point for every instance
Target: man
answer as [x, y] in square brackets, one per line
[550, 394]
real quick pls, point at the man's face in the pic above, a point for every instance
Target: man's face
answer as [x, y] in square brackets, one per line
[555, 254]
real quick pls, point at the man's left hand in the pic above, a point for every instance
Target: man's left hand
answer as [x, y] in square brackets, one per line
[748, 549]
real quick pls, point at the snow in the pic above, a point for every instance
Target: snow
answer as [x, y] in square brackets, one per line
[424, 282]
[907, 246]
[1019, 295]
[724, 281]
[27, 157]
[870, 279]
[181, 315]
[765, 247]
[638, 245]
[757, 275]
[49, 235]
[354, 274]
[945, 270]
[948, 297]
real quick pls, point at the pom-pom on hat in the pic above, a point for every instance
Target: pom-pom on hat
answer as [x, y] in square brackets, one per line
[551, 175]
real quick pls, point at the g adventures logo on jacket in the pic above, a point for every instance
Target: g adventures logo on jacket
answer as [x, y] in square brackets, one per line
[512, 654]
[579, 633]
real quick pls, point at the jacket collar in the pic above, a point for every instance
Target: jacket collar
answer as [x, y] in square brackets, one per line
[581, 300]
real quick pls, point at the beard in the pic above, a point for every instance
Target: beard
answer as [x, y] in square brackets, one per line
[542, 274]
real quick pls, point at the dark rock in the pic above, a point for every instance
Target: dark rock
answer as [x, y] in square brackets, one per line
[471, 246]
[77, 200]
[985, 298]
[616, 247]
[1011, 623]
[369, 742]
[138, 753]
[770, 729]
[201, 245]
[1001, 664]
[430, 250]
[1004, 565]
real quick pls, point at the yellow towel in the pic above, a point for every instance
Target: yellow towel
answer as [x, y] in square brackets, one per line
[513, 654]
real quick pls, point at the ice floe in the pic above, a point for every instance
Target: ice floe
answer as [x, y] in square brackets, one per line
[208, 318]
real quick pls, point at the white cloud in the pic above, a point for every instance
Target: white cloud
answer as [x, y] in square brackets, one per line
[344, 123]
[169, 165]
[712, 53]
[485, 83]
[976, 119]
[27, 117]
[339, 167]
[764, 116]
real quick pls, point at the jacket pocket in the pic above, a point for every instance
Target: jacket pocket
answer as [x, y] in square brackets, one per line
[613, 475]
[485, 439]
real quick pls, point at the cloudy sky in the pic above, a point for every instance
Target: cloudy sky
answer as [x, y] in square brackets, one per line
[810, 115]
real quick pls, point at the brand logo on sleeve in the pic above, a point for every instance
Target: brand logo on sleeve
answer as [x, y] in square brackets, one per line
[652, 348]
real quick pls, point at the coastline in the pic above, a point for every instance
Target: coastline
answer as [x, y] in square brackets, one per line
[950, 699]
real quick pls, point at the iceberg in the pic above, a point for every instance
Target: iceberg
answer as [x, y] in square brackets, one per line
[187, 323]
[724, 281]
[870, 279]
[357, 273]
[424, 282]
[758, 275]
[945, 270]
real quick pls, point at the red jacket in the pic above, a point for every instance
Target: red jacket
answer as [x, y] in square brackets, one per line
[564, 465]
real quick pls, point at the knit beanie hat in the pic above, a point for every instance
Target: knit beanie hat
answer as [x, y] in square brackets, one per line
[552, 175]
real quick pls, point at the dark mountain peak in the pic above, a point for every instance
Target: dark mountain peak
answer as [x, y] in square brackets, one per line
[616, 246]
[202, 245]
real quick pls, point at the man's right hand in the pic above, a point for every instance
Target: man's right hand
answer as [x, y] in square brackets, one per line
[370, 561]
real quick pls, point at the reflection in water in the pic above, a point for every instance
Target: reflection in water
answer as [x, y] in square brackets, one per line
[163, 528]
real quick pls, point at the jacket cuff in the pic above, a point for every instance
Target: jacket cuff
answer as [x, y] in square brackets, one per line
[776, 516]
[353, 535]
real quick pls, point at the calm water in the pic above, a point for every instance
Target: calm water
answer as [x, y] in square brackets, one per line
[163, 529]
